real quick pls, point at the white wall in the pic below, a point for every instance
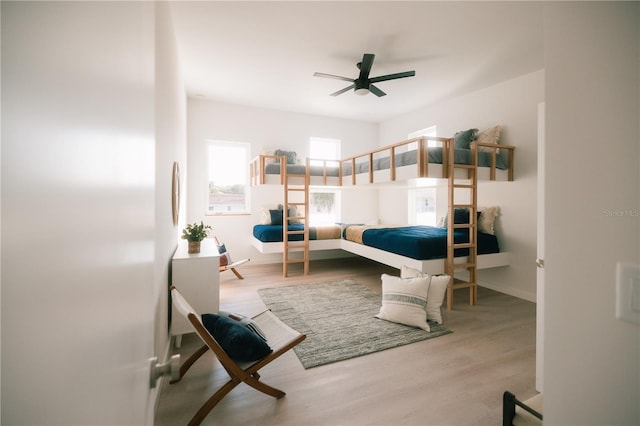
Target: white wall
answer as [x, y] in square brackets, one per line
[513, 105]
[591, 360]
[265, 130]
[171, 146]
[85, 244]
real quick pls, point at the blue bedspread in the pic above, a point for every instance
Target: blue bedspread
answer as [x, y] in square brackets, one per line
[425, 242]
[273, 233]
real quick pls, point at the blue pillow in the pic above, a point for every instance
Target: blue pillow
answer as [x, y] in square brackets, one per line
[240, 343]
[460, 216]
[462, 139]
[276, 217]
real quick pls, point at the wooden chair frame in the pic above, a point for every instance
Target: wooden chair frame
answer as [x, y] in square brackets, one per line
[232, 265]
[281, 338]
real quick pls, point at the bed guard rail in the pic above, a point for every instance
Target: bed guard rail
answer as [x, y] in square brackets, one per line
[420, 144]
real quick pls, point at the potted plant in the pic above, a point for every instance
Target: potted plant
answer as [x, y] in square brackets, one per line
[194, 233]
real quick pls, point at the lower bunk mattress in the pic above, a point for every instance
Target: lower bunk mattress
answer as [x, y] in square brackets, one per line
[418, 242]
[273, 233]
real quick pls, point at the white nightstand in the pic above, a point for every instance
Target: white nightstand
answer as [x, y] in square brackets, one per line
[197, 277]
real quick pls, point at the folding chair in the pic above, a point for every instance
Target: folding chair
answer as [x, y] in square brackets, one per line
[530, 415]
[226, 263]
[280, 337]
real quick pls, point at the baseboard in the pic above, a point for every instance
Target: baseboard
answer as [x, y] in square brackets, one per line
[525, 295]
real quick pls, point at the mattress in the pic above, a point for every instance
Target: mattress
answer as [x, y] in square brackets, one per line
[461, 156]
[419, 242]
[273, 233]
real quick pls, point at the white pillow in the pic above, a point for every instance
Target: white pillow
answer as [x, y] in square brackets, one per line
[403, 301]
[487, 219]
[437, 289]
[492, 136]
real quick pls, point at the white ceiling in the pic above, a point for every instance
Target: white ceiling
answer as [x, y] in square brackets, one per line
[264, 53]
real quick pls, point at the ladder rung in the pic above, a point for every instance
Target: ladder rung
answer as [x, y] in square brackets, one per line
[295, 260]
[459, 185]
[464, 225]
[295, 232]
[462, 206]
[463, 265]
[463, 245]
[463, 284]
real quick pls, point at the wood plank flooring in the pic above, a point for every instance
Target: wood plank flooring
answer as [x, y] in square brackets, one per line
[457, 379]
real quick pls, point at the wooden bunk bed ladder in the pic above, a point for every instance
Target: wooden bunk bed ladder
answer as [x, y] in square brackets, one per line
[296, 198]
[467, 189]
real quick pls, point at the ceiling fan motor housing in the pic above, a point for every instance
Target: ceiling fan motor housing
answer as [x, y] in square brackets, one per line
[361, 87]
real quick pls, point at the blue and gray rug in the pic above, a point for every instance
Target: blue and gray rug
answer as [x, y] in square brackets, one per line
[338, 319]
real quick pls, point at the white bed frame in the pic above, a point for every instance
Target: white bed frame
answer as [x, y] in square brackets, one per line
[435, 266]
[314, 245]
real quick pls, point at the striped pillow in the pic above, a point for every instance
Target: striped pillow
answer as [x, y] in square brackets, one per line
[404, 301]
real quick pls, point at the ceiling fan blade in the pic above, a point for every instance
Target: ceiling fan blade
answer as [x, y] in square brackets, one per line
[392, 76]
[373, 89]
[341, 91]
[365, 65]
[337, 77]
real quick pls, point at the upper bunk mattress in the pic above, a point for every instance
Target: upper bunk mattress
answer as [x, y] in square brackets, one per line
[419, 242]
[461, 156]
[273, 233]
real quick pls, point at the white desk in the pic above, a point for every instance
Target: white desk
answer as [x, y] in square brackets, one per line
[197, 277]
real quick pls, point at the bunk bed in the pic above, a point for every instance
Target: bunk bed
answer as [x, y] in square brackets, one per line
[414, 158]
[444, 158]
[420, 247]
[267, 238]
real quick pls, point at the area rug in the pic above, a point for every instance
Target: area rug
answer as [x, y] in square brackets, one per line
[338, 319]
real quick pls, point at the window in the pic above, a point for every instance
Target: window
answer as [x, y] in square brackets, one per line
[323, 149]
[228, 178]
[324, 204]
[422, 200]
[429, 131]
[422, 206]
[324, 207]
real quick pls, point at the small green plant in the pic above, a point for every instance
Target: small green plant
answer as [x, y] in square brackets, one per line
[195, 232]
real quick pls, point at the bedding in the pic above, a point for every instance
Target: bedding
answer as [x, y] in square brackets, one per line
[418, 242]
[273, 233]
[461, 156]
[299, 169]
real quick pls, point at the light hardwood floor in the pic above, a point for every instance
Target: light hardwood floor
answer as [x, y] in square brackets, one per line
[457, 379]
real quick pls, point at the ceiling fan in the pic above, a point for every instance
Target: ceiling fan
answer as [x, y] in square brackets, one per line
[363, 84]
